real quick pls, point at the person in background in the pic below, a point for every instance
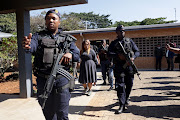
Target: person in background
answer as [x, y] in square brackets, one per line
[104, 60]
[111, 74]
[74, 67]
[45, 46]
[95, 48]
[169, 57]
[158, 54]
[175, 50]
[87, 67]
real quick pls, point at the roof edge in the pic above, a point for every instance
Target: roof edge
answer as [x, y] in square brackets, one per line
[129, 28]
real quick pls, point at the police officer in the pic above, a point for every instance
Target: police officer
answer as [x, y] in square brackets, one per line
[123, 72]
[45, 45]
[104, 60]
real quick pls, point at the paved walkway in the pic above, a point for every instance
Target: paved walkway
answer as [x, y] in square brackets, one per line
[152, 98]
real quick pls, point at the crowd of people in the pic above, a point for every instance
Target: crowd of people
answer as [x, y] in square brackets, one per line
[47, 44]
[170, 53]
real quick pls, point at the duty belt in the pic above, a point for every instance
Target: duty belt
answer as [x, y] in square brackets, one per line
[60, 89]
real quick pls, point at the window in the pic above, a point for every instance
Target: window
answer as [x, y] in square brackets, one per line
[147, 45]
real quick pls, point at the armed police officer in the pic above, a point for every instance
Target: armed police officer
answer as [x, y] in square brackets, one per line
[123, 71]
[104, 60]
[46, 45]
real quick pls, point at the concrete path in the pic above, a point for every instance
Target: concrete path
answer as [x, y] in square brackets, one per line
[152, 98]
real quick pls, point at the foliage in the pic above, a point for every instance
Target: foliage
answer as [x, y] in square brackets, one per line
[161, 20]
[9, 50]
[133, 23]
[37, 23]
[8, 22]
[147, 21]
[71, 22]
[93, 20]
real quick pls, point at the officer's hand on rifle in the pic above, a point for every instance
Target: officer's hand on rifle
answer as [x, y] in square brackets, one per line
[66, 58]
[27, 41]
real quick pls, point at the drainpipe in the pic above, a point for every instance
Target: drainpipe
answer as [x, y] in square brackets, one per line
[81, 34]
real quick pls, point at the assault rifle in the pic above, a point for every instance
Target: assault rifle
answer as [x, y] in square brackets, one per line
[57, 68]
[50, 81]
[120, 48]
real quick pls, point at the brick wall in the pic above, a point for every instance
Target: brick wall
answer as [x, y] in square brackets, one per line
[154, 36]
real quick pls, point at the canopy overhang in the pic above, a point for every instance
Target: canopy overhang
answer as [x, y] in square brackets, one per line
[22, 9]
[9, 6]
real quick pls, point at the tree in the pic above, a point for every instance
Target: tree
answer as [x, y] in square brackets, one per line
[8, 22]
[8, 54]
[9, 48]
[37, 23]
[147, 21]
[133, 23]
[92, 20]
[150, 21]
[71, 22]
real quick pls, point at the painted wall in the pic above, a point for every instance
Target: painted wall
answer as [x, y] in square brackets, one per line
[141, 62]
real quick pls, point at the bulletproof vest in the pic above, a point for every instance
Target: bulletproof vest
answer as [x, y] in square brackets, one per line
[128, 46]
[47, 51]
[103, 56]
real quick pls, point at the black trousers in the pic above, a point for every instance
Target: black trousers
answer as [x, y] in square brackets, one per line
[158, 63]
[57, 104]
[124, 83]
[170, 63]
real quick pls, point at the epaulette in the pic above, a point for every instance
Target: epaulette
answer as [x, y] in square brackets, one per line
[69, 37]
[72, 37]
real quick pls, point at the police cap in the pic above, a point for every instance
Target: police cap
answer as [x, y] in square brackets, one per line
[53, 11]
[120, 28]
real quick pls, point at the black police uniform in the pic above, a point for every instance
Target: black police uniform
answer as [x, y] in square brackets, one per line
[57, 105]
[104, 62]
[123, 76]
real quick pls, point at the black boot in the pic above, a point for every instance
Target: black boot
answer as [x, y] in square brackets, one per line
[127, 102]
[104, 83]
[120, 110]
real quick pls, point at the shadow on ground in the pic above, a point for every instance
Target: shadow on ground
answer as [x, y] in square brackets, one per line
[164, 112]
[78, 109]
[170, 87]
[163, 77]
[5, 96]
[152, 98]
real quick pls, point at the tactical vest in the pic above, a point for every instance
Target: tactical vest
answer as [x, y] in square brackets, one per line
[103, 56]
[128, 46]
[47, 51]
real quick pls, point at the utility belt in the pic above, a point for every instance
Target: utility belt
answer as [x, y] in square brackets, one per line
[42, 75]
[69, 85]
[60, 89]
